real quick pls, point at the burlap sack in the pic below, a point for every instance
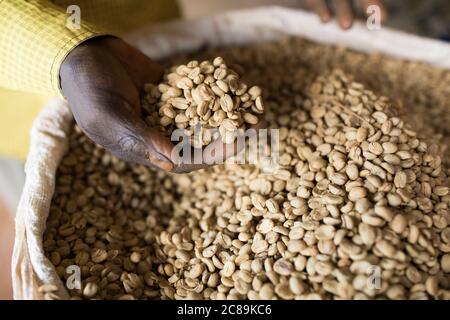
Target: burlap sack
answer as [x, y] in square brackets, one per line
[30, 267]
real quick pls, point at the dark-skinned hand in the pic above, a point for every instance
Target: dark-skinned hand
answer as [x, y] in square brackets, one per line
[102, 80]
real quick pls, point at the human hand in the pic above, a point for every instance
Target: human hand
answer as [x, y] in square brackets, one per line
[343, 9]
[102, 80]
[217, 152]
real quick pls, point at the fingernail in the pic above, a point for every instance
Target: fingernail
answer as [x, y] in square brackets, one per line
[161, 162]
[346, 24]
[325, 17]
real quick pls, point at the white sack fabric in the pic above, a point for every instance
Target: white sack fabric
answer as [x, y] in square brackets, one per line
[49, 134]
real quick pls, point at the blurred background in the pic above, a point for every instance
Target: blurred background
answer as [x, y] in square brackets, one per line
[426, 18]
[429, 18]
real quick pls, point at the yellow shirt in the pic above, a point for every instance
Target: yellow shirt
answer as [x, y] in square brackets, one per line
[36, 36]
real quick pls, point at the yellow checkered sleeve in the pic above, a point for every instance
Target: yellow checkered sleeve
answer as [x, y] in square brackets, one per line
[34, 40]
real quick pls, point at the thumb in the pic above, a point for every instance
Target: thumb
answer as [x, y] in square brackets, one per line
[134, 140]
[128, 137]
[159, 150]
[143, 145]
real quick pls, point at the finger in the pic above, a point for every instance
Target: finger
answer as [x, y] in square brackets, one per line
[104, 102]
[113, 124]
[160, 150]
[320, 8]
[139, 144]
[135, 141]
[215, 153]
[186, 157]
[220, 151]
[186, 168]
[344, 13]
[380, 4]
